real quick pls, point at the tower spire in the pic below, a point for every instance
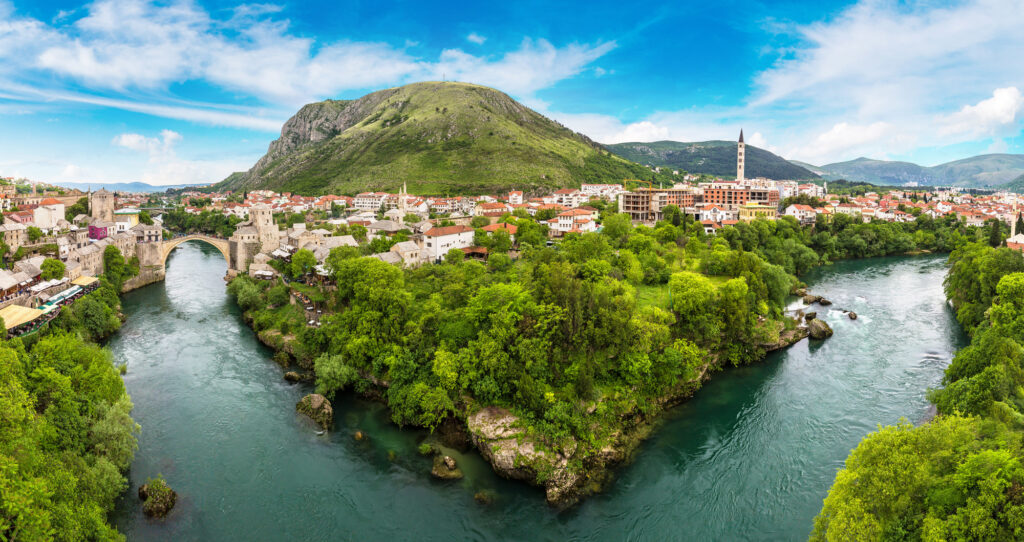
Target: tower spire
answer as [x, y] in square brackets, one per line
[740, 152]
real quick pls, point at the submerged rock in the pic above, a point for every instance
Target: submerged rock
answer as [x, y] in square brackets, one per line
[852, 315]
[483, 497]
[445, 468]
[818, 329]
[158, 498]
[359, 435]
[318, 408]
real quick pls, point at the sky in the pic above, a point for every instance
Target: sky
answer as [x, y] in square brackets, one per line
[179, 92]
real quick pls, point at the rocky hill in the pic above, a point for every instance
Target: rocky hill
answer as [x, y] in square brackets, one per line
[440, 138]
[710, 157]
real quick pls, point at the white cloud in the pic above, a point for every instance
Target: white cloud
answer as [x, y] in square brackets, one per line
[154, 146]
[640, 131]
[473, 37]
[122, 45]
[536, 65]
[988, 117]
[907, 67]
[163, 166]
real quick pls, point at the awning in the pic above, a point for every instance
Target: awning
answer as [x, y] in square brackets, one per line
[15, 315]
[85, 280]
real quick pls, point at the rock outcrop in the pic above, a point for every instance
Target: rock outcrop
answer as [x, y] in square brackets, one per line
[158, 498]
[819, 330]
[318, 408]
[515, 455]
[445, 468]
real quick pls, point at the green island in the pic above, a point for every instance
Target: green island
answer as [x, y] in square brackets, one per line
[959, 476]
[556, 364]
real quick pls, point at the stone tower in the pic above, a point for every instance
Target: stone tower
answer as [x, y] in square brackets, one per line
[101, 205]
[262, 218]
[740, 151]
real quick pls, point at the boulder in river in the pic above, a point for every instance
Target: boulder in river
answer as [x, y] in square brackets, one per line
[810, 316]
[158, 498]
[818, 329]
[852, 315]
[809, 299]
[445, 468]
[292, 376]
[824, 302]
[318, 408]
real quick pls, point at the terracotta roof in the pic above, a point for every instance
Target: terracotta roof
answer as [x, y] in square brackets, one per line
[50, 201]
[447, 230]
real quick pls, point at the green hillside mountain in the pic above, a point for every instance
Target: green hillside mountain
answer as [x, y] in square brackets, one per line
[441, 138]
[710, 157]
[983, 171]
[1016, 185]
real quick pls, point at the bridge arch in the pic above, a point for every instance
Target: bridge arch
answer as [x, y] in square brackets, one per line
[219, 244]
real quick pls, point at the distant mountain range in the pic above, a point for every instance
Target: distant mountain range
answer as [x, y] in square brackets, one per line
[983, 171]
[712, 158]
[126, 187]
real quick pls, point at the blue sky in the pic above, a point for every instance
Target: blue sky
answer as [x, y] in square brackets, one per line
[177, 92]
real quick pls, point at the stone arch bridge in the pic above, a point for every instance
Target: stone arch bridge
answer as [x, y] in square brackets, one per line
[216, 242]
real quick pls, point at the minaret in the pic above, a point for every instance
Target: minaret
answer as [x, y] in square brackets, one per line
[740, 151]
[1013, 221]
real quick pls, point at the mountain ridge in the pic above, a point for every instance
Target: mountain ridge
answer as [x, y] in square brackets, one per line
[980, 171]
[439, 137]
[713, 157]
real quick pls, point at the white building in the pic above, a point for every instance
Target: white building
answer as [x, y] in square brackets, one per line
[49, 212]
[369, 201]
[438, 241]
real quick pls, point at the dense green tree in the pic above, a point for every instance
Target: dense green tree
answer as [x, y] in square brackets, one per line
[52, 269]
[303, 262]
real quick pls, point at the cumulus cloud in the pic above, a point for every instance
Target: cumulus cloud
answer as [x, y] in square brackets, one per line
[162, 164]
[155, 146]
[885, 73]
[988, 117]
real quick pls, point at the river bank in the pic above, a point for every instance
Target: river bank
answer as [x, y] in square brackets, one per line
[751, 457]
[568, 472]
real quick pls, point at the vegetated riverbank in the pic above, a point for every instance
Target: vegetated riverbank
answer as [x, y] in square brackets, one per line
[961, 475]
[750, 456]
[66, 432]
[502, 440]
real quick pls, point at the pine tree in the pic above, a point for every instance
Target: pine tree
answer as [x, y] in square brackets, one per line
[995, 236]
[1020, 224]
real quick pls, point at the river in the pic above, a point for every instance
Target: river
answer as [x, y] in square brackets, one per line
[750, 457]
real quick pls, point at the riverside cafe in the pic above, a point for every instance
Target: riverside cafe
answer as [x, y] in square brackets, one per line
[24, 320]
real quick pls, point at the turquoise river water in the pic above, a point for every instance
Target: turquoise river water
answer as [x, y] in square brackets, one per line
[749, 458]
